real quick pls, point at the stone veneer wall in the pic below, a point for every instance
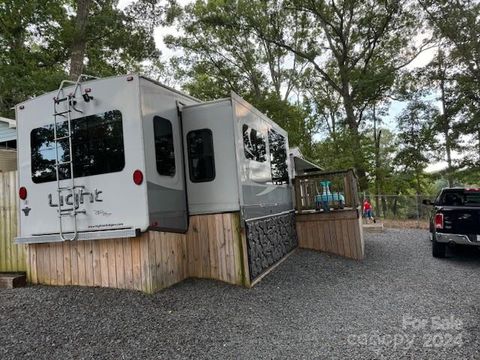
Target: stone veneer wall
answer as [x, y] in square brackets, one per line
[269, 239]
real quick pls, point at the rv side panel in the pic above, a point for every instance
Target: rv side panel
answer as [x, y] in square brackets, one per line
[263, 192]
[164, 156]
[212, 180]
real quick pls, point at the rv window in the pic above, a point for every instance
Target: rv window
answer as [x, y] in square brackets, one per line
[254, 144]
[164, 150]
[97, 147]
[278, 157]
[201, 161]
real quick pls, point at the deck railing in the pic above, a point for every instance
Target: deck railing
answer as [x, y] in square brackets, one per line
[307, 187]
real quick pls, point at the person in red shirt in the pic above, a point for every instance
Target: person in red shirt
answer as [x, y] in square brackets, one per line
[367, 210]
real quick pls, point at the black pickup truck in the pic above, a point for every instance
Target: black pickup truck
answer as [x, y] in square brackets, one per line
[455, 219]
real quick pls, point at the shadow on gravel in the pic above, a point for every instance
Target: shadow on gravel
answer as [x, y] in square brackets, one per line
[463, 254]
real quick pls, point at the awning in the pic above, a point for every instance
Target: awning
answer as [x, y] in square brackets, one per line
[12, 124]
[303, 166]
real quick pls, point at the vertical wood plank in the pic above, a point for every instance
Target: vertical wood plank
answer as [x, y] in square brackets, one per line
[40, 270]
[213, 249]
[8, 224]
[151, 261]
[104, 263]
[350, 237]
[119, 263]
[159, 273]
[136, 263]
[32, 251]
[97, 266]
[127, 254]
[112, 271]
[89, 281]
[82, 278]
[67, 263]
[194, 248]
[3, 230]
[59, 270]
[74, 261]
[225, 242]
[52, 273]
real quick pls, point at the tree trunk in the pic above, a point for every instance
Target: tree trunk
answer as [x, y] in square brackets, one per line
[376, 138]
[417, 178]
[384, 206]
[446, 130]
[79, 42]
[394, 207]
[357, 151]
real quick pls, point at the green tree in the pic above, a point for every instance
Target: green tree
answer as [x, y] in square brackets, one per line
[219, 58]
[41, 41]
[366, 43]
[31, 55]
[457, 25]
[416, 139]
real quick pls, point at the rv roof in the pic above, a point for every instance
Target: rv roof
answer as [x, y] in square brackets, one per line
[234, 96]
[169, 88]
[54, 92]
[11, 123]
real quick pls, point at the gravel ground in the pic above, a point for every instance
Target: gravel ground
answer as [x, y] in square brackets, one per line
[312, 306]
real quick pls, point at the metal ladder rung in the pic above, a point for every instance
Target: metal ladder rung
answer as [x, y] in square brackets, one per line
[61, 113]
[58, 101]
[70, 212]
[67, 109]
[63, 163]
[69, 188]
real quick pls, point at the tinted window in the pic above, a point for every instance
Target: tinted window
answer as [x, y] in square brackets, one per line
[164, 151]
[254, 144]
[278, 157]
[97, 147]
[460, 197]
[200, 155]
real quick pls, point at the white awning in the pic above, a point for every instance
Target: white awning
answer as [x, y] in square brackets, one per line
[304, 166]
[12, 124]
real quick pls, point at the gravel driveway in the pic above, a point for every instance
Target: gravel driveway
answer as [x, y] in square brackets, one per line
[312, 306]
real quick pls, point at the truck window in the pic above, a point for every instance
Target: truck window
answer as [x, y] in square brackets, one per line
[201, 161]
[97, 147]
[460, 197]
[278, 158]
[254, 144]
[164, 150]
[472, 197]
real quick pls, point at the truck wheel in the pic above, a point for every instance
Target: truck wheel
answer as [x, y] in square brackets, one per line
[438, 249]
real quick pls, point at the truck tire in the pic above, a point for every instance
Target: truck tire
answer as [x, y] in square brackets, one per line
[438, 249]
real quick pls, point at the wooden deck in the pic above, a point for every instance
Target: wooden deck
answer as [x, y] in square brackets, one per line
[213, 248]
[337, 232]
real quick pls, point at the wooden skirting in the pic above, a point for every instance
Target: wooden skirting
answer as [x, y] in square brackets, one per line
[12, 256]
[337, 232]
[212, 248]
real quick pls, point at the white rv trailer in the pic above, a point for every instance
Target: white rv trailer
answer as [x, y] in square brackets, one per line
[127, 161]
[140, 150]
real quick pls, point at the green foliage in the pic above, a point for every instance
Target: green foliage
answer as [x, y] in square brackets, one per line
[325, 71]
[416, 139]
[36, 38]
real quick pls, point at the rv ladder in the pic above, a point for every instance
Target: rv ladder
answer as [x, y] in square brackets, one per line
[66, 115]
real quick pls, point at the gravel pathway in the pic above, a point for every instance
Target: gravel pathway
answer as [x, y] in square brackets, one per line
[312, 306]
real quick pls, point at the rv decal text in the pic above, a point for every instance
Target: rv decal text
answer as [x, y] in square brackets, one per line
[81, 197]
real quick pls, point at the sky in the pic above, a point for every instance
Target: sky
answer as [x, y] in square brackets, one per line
[396, 107]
